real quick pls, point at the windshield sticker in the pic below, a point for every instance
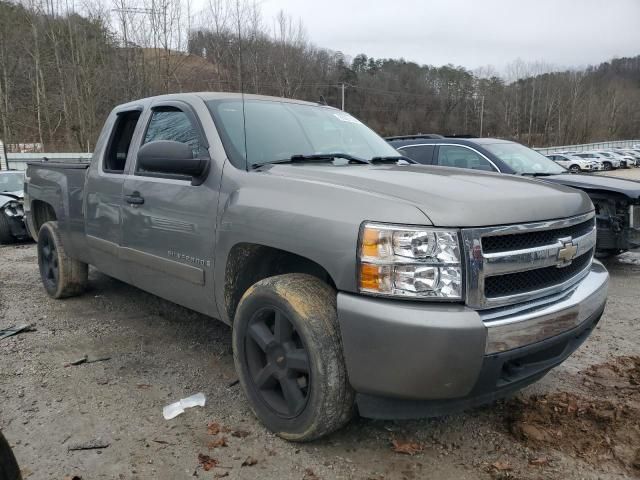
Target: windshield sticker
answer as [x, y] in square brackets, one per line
[345, 117]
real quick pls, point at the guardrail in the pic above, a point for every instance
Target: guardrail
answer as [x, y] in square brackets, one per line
[19, 161]
[589, 146]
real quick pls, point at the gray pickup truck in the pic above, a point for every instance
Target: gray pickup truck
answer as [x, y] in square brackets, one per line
[349, 276]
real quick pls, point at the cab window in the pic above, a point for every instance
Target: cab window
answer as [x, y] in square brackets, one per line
[115, 157]
[169, 123]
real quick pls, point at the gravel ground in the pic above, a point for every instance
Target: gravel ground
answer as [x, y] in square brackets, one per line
[580, 422]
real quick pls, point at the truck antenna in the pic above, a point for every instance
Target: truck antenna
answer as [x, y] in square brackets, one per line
[244, 116]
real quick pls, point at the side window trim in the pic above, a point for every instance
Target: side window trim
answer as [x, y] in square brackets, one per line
[468, 148]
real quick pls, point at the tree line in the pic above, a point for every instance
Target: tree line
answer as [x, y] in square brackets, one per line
[62, 70]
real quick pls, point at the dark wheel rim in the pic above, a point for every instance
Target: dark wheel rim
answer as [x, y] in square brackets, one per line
[277, 362]
[48, 261]
[607, 166]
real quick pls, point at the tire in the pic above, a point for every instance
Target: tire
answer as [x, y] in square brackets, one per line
[574, 169]
[5, 230]
[607, 165]
[286, 330]
[9, 469]
[62, 276]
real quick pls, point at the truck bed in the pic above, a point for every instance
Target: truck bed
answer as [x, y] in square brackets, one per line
[61, 185]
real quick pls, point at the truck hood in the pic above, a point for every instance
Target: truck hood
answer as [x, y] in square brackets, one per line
[6, 197]
[450, 197]
[16, 194]
[589, 183]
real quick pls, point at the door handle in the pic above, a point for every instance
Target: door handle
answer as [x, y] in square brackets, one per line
[134, 199]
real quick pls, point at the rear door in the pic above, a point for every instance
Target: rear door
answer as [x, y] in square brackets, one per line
[168, 223]
[103, 191]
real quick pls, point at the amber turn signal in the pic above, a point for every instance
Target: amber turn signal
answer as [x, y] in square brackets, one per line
[369, 276]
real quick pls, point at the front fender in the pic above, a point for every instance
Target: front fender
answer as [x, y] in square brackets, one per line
[317, 221]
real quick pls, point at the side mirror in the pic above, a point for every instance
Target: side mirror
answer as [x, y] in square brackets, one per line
[171, 158]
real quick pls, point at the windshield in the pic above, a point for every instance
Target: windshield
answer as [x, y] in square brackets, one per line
[278, 130]
[523, 160]
[11, 182]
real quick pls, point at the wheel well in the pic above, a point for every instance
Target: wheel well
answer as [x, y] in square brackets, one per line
[42, 213]
[249, 263]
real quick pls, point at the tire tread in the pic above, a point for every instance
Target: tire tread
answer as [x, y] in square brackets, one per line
[72, 274]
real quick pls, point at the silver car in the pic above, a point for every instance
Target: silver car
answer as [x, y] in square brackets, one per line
[607, 162]
[626, 161]
[574, 163]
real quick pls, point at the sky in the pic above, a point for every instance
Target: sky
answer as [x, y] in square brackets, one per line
[471, 33]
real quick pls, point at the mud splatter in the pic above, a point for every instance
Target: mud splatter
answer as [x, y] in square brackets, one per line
[601, 429]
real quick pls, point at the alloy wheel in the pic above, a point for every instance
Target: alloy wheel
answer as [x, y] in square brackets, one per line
[278, 362]
[49, 261]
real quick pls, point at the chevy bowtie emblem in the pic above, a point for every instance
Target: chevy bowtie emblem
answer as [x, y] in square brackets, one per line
[567, 253]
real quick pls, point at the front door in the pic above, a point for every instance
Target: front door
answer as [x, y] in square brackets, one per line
[168, 223]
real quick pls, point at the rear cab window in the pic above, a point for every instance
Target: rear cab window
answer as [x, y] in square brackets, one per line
[115, 157]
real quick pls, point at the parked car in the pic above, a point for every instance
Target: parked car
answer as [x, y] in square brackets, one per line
[11, 207]
[608, 162]
[345, 274]
[617, 201]
[633, 156]
[574, 164]
[626, 161]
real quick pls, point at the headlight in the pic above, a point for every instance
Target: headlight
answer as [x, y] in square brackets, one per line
[14, 209]
[409, 262]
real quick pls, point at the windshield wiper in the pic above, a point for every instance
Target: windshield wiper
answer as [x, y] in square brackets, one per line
[538, 174]
[392, 159]
[318, 157]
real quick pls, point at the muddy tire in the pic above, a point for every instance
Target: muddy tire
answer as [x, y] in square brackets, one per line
[8, 466]
[62, 276]
[5, 230]
[287, 350]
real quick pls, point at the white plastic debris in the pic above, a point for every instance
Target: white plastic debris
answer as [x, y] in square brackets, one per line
[175, 409]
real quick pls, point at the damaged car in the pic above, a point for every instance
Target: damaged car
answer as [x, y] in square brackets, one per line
[12, 225]
[616, 200]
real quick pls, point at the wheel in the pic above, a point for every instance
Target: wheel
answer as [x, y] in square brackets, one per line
[5, 230]
[607, 165]
[574, 169]
[288, 353]
[62, 276]
[8, 466]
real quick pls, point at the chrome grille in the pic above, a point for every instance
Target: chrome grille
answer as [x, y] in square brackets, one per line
[517, 263]
[530, 280]
[519, 241]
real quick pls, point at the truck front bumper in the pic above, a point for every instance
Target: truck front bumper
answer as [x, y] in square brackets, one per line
[417, 359]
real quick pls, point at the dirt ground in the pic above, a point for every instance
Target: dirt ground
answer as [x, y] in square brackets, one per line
[582, 421]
